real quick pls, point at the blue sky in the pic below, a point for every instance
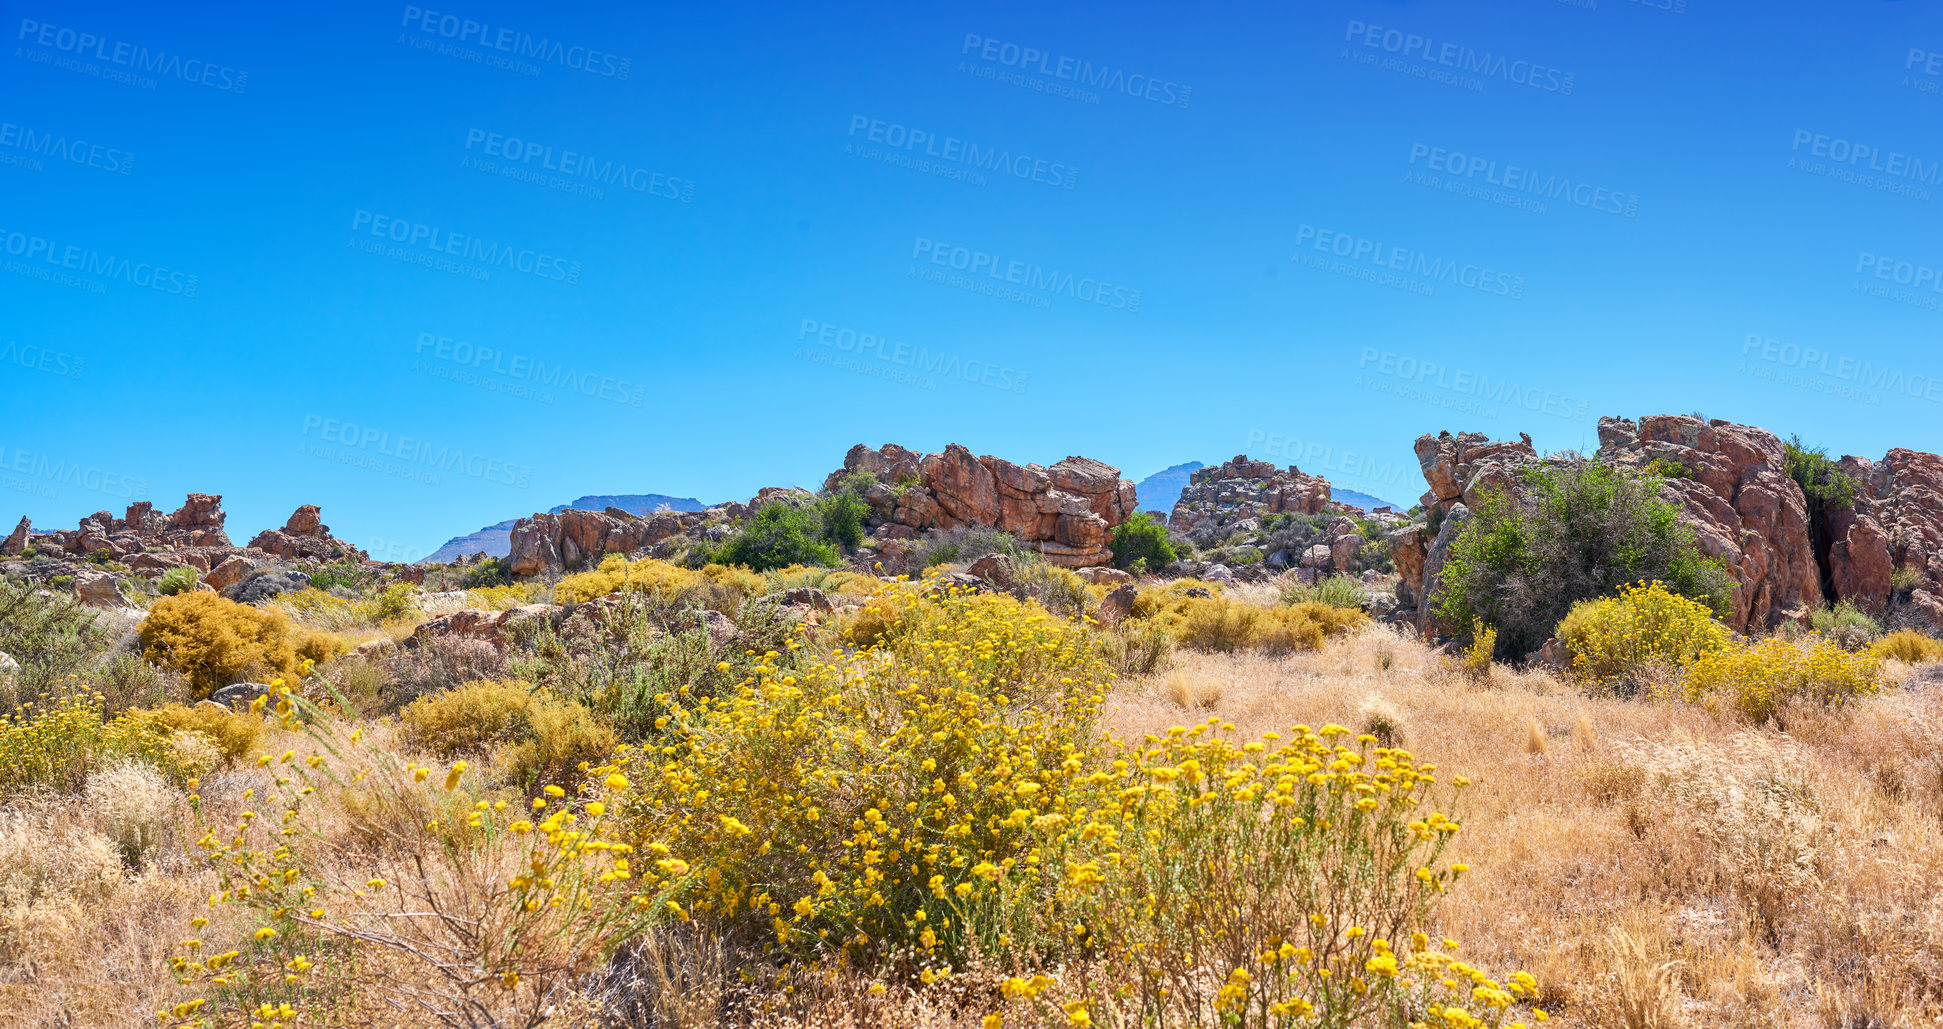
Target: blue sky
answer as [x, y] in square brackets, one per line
[435, 265]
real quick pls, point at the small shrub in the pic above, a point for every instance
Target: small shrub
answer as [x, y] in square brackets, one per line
[1137, 646]
[1903, 582]
[180, 579]
[487, 573]
[1757, 680]
[59, 741]
[1826, 485]
[1335, 591]
[1383, 720]
[1141, 539]
[469, 719]
[134, 805]
[52, 638]
[1477, 655]
[1616, 638]
[437, 664]
[1846, 618]
[562, 739]
[1910, 646]
[964, 545]
[1225, 625]
[777, 535]
[234, 735]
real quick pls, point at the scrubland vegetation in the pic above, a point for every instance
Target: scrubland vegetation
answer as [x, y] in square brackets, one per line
[709, 791]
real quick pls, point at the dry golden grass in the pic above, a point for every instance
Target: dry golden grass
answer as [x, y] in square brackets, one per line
[1653, 864]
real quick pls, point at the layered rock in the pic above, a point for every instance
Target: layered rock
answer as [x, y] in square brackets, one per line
[197, 523]
[305, 535]
[1240, 489]
[557, 542]
[1066, 512]
[1895, 526]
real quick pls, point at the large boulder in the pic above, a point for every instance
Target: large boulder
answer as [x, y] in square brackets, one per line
[231, 571]
[964, 488]
[199, 521]
[305, 535]
[98, 589]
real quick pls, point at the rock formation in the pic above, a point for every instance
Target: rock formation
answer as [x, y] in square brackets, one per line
[305, 535]
[1731, 485]
[556, 542]
[1240, 489]
[1066, 512]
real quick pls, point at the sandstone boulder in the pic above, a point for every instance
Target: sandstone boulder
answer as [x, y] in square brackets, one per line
[229, 572]
[17, 539]
[98, 589]
[1115, 606]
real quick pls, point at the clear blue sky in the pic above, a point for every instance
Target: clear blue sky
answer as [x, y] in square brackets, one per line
[422, 235]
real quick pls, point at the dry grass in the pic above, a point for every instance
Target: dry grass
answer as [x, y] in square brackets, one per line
[1652, 863]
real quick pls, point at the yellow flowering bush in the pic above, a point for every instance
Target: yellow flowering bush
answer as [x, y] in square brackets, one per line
[1646, 624]
[1756, 680]
[471, 905]
[57, 739]
[1302, 869]
[857, 805]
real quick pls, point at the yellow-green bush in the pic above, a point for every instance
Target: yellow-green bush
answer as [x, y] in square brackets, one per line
[1909, 645]
[1221, 624]
[214, 642]
[656, 578]
[561, 740]
[538, 738]
[470, 718]
[234, 735]
[1758, 679]
[57, 740]
[1645, 625]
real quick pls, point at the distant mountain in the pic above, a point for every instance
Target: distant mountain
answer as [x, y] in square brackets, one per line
[497, 539]
[1160, 491]
[1363, 500]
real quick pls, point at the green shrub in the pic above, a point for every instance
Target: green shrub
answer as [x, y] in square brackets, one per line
[1335, 591]
[1142, 539]
[778, 535]
[1844, 615]
[1667, 468]
[966, 544]
[180, 579]
[1903, 582]
[347, 574]
[489, 572]
[1826, 485]
[52, 637]
[1574, 532]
